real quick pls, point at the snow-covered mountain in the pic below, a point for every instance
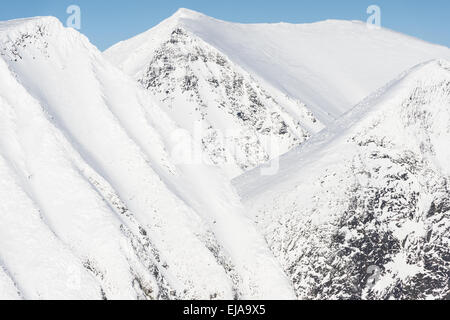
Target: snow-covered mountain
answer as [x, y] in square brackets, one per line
[271, 85]
[91, 204]
[240, 121]
[362, 210]
[115, 167]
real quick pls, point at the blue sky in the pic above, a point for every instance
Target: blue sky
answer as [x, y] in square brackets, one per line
[106, 22]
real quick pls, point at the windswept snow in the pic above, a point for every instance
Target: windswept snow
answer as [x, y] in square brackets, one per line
[90, 199]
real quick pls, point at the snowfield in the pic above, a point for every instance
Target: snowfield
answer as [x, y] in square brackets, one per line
[137, 173]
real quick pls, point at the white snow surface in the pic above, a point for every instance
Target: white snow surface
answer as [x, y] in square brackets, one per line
[91, 204]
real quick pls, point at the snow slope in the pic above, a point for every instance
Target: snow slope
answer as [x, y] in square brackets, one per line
[92, 206]
[362, 210]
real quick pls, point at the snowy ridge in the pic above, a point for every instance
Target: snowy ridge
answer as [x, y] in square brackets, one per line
[362, 210]
[90, 197]
[202, 88]
[271, 85]
[294, 59]
[241, 122]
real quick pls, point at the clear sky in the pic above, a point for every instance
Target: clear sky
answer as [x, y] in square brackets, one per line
[106, 22]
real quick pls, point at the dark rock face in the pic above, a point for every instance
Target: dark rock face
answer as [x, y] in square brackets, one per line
[188, 74]
[375, 224]
[15, 48]
[350, 256]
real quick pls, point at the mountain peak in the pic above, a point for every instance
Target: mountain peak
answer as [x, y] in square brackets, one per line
[27, 23]
[187, 13]
[12, 31]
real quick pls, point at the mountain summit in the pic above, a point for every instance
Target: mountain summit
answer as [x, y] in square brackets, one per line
[272, 85]
[241, 121]
[329, 65]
